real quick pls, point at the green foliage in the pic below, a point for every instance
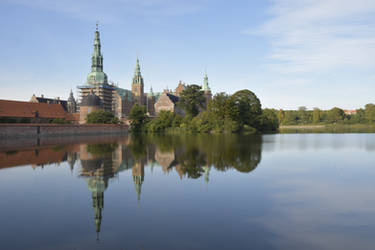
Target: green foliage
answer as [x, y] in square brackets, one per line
[335, 115]
[370, 112]
[164, 120]
[192, 100]
[229, 114]
[332, 116]
[138, 118]
[268, 121]
[60, 121]
[101, 149]
[316, 117]
[101, 117]
[245, 108]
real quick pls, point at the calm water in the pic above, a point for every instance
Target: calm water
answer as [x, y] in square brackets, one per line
[284, 191]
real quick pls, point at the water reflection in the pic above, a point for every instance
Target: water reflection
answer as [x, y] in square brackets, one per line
[98, 162]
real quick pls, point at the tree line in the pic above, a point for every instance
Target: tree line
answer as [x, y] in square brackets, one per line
[335, 115]
[240, 112]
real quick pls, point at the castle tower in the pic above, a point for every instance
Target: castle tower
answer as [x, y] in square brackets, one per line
[206, 89]
[97, 80]
[138, 173]
[72, 105]
[97, 186]
[97, 76]
[138, 85]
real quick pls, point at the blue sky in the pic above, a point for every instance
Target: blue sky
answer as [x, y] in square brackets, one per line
[290, 53]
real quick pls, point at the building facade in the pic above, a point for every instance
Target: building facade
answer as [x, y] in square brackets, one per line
[118, 100]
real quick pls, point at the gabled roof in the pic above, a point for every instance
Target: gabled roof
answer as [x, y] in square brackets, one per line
[29, 109]
[173, 98]
[56, 101]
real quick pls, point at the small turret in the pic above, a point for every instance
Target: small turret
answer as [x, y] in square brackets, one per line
[138, 85]
[72, 105]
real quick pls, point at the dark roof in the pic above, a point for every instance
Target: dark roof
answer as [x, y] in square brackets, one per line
[90, 100]
[173, 98]
[53, 101]
[29, 109]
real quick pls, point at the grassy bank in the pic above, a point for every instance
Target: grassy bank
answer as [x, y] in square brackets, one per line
[329, 128]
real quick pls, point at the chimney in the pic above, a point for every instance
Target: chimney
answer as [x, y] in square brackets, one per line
[42, 96]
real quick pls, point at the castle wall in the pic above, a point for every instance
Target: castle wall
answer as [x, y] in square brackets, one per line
[45, 130]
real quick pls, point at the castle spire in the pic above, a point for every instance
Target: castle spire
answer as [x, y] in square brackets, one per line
[97, 58]
[137, 69]
[137, 85]
[97, 76]
[205, 86]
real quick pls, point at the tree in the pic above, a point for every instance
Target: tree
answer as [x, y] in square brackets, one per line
[268, 121]
[162, 122]
[192, 99]
[316, 115]
[335, 115]
[302, 113]
[138, 118]
[245, 108]
[281, 116]
[370, 112]
[101, 116]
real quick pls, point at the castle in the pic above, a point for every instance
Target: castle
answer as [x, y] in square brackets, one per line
[98, 93]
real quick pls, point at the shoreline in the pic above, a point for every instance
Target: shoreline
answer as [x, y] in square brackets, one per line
[328, 128]
[17, 130]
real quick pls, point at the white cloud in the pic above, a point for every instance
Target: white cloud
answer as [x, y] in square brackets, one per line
[320, 35]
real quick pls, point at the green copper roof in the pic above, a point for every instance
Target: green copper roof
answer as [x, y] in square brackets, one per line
[205, 86]
[137, 79]
[97, 76]
[125, 93]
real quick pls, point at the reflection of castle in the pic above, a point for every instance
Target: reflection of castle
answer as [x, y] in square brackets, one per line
[191, 157]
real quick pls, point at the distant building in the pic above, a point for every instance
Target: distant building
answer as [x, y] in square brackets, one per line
[350, 112]
[119, 101]
[42, 99]
[168, 102]
[30, 112]
[180, 87]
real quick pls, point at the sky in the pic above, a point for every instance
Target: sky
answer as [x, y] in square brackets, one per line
[290, 53]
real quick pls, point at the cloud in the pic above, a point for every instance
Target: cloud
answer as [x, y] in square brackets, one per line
[320, 35]
[112, 10]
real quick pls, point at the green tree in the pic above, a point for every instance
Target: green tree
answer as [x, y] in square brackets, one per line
[281, 116]
[192, 100]
[138, 118]
[162, 122]
[316, 115]
[302, 114]
[370, 112]
[101, 117]
[268, 121]
[245, 108]
[335, 115]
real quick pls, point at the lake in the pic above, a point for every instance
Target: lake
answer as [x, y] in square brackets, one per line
[279, 191]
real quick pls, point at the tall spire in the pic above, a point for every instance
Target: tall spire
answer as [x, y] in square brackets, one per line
[137, 71]
[97, 76]
[205, 86]
[97, 58]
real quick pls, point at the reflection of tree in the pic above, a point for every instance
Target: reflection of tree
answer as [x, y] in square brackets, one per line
[192, 161]
[101, 149]
[223, 152]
